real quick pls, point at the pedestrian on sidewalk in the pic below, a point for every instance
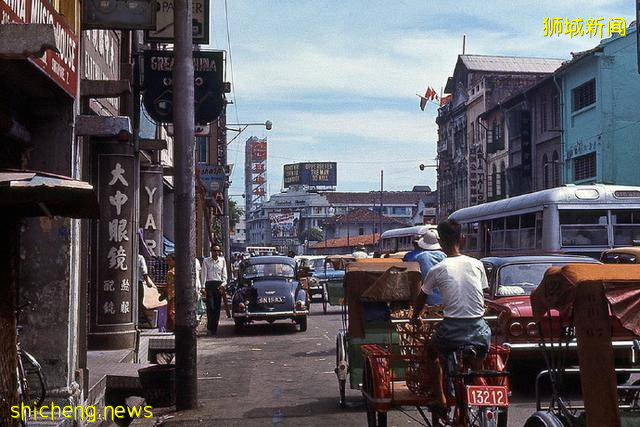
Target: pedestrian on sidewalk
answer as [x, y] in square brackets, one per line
[171, 292]
[214, 276]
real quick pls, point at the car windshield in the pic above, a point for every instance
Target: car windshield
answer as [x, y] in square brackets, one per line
[619, 258]
[520, 279]
[255, 271]
[318, 265]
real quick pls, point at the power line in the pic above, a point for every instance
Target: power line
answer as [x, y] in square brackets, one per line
[233, 83]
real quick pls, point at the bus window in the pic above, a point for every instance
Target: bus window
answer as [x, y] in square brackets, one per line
[512, 231]
[497, 233]
[539, 230]
[471, 236]
[527, 231]
[626, 227]
[583, 227]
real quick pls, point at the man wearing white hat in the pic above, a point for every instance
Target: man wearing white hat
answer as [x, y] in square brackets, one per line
[427, 253]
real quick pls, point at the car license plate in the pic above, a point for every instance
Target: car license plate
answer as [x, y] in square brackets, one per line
[270, 300]
[487, 395]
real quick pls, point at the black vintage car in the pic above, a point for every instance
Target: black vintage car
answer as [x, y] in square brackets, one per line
[268, 289]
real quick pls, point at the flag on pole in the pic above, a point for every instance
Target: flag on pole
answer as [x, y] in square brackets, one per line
[429, 95]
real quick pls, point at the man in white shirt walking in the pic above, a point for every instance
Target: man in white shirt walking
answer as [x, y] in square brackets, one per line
[214, 277]
[460, 280]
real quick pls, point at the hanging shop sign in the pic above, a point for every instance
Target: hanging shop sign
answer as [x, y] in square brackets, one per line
[158, 85]
[61, 67]
[119, 14]
[116, 260]
[164, 28]
[101, 61]
[151, 196]
[212, 177]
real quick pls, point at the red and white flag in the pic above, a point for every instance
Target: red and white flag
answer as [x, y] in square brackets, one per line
[429, 95]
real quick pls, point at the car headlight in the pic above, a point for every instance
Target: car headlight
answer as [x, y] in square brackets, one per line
[532, 329]
[516, 329]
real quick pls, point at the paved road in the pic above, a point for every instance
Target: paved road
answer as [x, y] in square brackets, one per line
[272, 374]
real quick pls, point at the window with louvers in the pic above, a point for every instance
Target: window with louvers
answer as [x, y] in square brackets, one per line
[584, 167]
[584, 95]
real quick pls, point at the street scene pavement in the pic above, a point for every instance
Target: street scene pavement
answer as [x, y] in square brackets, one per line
[271, 374]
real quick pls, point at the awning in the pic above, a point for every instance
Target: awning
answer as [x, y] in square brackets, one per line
[169, 246]
[27, 193]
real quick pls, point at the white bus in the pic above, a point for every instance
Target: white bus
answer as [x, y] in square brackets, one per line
[261, 250]
[401, 239]
[573, 219]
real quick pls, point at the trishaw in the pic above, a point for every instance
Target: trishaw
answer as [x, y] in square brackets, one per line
[592, 300]
[407, 374]
[364, 323]
[323, 277]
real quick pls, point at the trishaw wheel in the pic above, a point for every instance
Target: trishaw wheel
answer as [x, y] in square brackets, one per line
[374, 418]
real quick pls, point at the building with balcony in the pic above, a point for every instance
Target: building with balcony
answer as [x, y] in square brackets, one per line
[478, 83]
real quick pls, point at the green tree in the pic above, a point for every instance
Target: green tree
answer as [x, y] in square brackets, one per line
[312, 234]
[235, 212]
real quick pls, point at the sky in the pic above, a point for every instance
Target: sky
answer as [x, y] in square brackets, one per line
[339, 79]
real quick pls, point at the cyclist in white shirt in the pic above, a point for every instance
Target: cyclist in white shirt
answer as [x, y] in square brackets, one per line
[460, 280]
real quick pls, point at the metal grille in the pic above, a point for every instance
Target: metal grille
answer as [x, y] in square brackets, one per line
[584, 167]
[584, 95]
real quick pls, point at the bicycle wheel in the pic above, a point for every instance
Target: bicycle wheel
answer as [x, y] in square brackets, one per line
[33, 382]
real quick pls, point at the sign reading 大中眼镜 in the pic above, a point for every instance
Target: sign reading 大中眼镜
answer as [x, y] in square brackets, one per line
[158, 86]
[313, 174]
[164, 33]
[61, 67]
[116, 260]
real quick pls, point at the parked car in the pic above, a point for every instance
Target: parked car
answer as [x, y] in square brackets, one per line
[626, 255]
[511, 281]
[269, 290]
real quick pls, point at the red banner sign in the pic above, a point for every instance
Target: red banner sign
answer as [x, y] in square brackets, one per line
[62, 68]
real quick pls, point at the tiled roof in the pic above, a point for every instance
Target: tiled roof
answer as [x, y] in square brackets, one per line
[364, 215]
[388, 197]
[510, 64]
[364, 240]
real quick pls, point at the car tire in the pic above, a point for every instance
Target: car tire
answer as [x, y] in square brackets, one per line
[302, 323]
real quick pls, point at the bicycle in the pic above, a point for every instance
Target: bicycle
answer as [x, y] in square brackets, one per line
[32, 384]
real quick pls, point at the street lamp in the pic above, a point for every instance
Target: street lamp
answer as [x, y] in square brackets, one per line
[243, 126]
[329, 211]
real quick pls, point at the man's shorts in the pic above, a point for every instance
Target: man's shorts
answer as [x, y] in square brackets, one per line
[452, 333]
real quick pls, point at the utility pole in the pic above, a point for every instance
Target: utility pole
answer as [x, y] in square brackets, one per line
[381, 204]
[184, 207]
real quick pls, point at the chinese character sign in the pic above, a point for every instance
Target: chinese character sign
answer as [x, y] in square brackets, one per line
[116, 258]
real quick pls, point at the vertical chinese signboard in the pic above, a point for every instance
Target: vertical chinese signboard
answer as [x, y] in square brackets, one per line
[61, 67]
[151, 195]
[113, 321]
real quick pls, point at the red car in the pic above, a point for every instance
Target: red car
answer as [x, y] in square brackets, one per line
[511, 281]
